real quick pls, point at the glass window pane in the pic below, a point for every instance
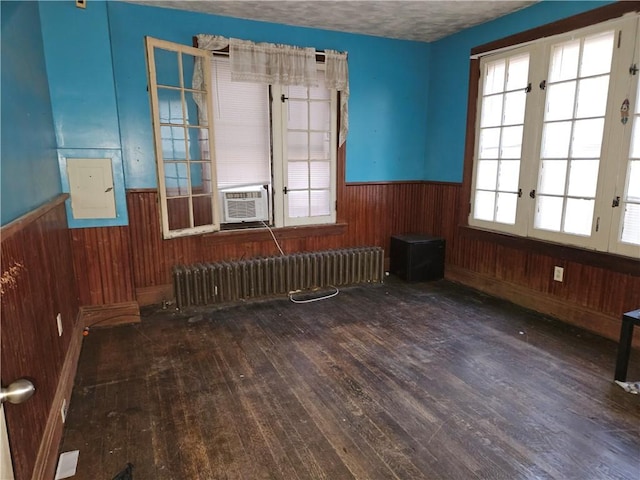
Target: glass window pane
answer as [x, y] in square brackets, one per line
[173, 143]
[198, 146]
[489, 143]
[175, 179]
[556, 137]
[517, 77]
[511, 142]
[597, 53]
[170, 106]
[484, 205]
[508, 175]
[319, 146]
[506, 208]
[635, 139]
[320, 202]
[631, 224]
[194, 117]
[552, 177]
[560, 101]
[167, 70]
[579, 216]
[200, 136]
[297, 91]
[583, 178]
[297, 117]
[320, 174]
[514, 104]
[320, 92]
[494, 77]
[633, 182]
[486, 176]
[198, 175]
[297, 175]
[592, 97]
[178, 213]
[298, 203]
[548, 214]
[491, 111]
[564, 61]
[587, 138]
[320, 116]
[297, 146]
[202, 210]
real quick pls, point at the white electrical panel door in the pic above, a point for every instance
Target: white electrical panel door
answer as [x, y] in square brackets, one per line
[91, 188]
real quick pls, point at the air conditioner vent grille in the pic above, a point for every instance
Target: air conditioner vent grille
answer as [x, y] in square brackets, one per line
[241, 209]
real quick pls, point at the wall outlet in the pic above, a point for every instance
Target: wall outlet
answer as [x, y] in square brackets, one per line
[63, 410]
[558, 274]
[59, 322]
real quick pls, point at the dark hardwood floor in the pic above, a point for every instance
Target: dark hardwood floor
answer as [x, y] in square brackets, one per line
[393, 381]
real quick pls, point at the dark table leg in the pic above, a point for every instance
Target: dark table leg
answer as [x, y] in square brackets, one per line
[624, 349]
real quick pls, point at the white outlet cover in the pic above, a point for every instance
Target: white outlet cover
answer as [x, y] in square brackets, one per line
[67, 464]
[558, 274]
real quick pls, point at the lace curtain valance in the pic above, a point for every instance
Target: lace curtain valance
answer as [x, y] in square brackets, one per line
[279, 65]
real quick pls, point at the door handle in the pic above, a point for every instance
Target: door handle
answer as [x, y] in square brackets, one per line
[19, 391]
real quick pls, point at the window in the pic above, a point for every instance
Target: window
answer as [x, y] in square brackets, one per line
[268, 154]
[558, 140]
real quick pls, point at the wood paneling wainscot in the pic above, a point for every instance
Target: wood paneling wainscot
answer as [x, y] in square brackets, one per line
[38, 282]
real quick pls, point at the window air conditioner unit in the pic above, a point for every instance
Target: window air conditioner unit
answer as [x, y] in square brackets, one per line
[245, 204]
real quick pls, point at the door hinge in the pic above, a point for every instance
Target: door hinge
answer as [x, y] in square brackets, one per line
[616, 202]
[528, 88]
[633, 69]
[597, 224]
[543, 84]
[284, 190]
[519, 193]
[283, 98]
[532, 193]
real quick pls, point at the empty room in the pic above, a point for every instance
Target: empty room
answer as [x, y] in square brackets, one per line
[326, 239]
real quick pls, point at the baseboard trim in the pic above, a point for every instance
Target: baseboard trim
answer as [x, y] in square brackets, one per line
[47, 458]
[574, 314]
[109, 315]
[155, 294]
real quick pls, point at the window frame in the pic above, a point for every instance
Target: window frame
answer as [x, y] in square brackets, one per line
[151, 44]
[277, 199]
[587, 21]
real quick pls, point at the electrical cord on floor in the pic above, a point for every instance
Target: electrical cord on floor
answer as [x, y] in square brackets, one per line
[316, 299]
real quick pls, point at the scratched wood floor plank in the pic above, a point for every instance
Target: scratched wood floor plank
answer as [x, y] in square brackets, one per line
[394, 381]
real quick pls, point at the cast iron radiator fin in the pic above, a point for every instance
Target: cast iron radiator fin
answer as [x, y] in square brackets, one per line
[209, 283]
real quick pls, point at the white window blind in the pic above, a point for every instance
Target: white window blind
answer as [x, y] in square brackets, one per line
[242, 131]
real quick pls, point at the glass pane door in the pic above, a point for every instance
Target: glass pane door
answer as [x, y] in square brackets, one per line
[309, 166]
[573, 127]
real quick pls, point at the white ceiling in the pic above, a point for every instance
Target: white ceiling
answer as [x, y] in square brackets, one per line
[421, 20]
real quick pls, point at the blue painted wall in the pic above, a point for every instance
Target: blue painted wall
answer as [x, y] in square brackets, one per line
[389, 82]
[449, 82]
[29, 164]
[80, 71]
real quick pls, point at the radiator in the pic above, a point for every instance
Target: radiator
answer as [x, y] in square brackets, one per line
[211, 283]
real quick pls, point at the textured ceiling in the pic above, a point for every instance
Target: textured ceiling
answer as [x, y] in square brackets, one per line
[422, 20]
